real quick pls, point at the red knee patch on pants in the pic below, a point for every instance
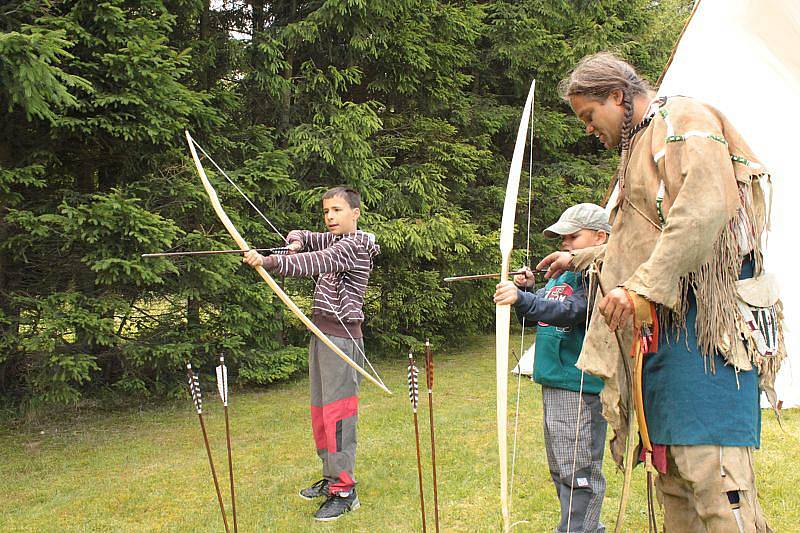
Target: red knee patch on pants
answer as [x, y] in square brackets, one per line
[334, 412]
[318, 427]
[324, 421]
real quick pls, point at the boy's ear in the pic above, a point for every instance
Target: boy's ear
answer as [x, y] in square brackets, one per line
[356, 212]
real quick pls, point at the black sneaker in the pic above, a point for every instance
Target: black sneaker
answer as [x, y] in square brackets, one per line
[320, 488]
[336, 505]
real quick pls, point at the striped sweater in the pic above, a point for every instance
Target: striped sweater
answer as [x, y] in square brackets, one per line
[342, 265]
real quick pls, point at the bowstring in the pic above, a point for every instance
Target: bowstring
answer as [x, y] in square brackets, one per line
[522, 334]
[240, 191]
[590, 301]
[334, 308]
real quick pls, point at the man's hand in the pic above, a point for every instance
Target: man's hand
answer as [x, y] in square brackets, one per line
[556, 264]
[616, 308]
[506, 293]
[526, 279]
[253, 258]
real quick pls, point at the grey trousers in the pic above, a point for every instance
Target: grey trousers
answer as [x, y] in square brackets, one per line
[334, 409]
[585, 486]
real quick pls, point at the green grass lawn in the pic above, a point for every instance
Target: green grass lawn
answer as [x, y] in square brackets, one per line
[147, 470]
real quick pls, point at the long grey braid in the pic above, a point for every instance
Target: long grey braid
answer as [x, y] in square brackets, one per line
[596, 76]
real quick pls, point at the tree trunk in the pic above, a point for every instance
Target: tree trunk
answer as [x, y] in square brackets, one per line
[193, 312]
[288, 73]
[205, 34]
[204, 77]
[258, 17]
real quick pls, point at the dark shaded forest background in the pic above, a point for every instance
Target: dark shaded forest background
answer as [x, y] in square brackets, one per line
[414, 102]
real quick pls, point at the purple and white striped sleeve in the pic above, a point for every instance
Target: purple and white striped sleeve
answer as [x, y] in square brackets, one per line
[342, 256]
[310, 240]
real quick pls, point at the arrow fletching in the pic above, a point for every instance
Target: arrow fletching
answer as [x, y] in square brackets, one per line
[194, 389]
[429, 365]
[222, 381]
[413, 382]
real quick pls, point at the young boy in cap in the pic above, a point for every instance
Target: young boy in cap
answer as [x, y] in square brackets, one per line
[560, 312]
[341, 259]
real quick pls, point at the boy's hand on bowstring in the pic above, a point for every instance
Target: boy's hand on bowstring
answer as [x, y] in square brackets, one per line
[556, 264]
[294, 247]
[526, 279]
[253, 258]
[506, 293]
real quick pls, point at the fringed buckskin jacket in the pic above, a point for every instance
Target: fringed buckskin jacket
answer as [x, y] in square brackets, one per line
[691, 209]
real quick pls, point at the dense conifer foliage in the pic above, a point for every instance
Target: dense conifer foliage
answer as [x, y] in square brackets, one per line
[414, 102]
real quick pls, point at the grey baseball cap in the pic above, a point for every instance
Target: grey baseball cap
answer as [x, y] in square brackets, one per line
[578, 217]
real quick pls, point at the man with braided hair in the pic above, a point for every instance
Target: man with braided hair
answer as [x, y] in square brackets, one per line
[684, 262]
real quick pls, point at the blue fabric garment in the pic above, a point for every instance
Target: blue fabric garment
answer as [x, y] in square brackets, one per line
[559, 310]
[562, 302]
[686, 404]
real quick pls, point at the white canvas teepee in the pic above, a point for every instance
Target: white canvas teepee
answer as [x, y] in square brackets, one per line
[525, 364]
[741, 57]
